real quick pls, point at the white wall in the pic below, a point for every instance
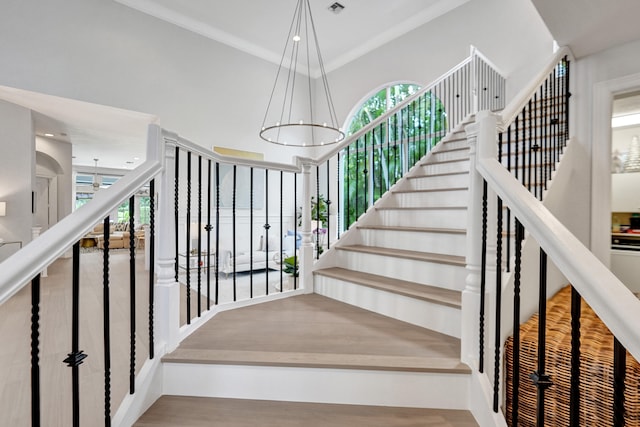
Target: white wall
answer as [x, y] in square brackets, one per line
[17, 174]
[106, 53]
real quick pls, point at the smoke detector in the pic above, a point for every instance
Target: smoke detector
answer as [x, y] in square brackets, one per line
[336, 8]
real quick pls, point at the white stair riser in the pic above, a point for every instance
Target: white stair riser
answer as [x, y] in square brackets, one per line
[431, 199]
[461, 166]
[459, 142]
[428, 273]
[435, 218]
[438, 182]
[444, 243]
[433, 316]
[441, 155]
[341, 386]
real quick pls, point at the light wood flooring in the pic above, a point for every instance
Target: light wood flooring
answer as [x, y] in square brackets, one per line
[200, 412]
[55, 344]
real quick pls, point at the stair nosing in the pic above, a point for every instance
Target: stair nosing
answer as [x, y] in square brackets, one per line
[413, 229]
[401, 253]
[440, 162]
[430, 190]
[411, 289]
[418, 208]
[438, 174]
[318, 360]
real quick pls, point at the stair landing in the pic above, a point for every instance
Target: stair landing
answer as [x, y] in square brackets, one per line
[315, 331]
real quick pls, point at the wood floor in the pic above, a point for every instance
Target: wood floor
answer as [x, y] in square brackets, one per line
[200, 412]
[55, 344]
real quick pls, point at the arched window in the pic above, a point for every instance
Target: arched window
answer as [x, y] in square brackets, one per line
[376, 160]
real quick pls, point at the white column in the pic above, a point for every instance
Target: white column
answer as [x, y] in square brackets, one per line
[167, 289]
[306, 246]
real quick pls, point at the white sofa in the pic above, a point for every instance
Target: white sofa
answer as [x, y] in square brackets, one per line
[263, 256]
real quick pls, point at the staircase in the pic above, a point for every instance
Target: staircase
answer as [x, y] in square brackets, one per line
[393, 347]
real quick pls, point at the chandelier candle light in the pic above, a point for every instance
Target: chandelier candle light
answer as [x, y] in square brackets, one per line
[288, 119]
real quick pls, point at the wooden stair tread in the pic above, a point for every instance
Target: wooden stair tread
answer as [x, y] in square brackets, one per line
[435, 294]
[420, 208]
[318, 360]
[437, 174]
[441, 162]
[431, 190]
[413, 229]
[170, 411]
[414, 255]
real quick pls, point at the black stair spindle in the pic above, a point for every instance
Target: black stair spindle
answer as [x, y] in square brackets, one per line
[233, 226]
[347, 198]
[251, 232]
[574, 403]
[77, 356]
[217, 261]
[483, 276]
[106, 325]
[498, 312]
[295, 231]
[188, 238]
[540, 379]
[208, 229]
[199, 237]
[152, 267]
[132, 298]
[265, 242]
[35, 351]
[281, 229]
[515, 398]
[176, 207]
[619, 374]
[338, 219]
[317, 218]
[508, 226]
[328, 207]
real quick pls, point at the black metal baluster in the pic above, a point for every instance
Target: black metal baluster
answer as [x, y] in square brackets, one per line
[35, 351]
[217, 287]
[483, 275]
[317, 232]
[251, 233]
[508, 226]
[340, 204]
[106, 325]
[531, 164]
[233, 225]
[540, 379]
[525, 166]
[567, 78]
[347, 193]
[295, 231]
[188, 243]
[547, 141]
[176, 208]
[536, 149]
[281, 229]
[574, 403]
[152, 261]
[515, 397]
[498, 315]
[357, 207]
[265, 242]
[328, 208]
[208, 228]
[132, 299]
[76, 357]
[199, 295]
[619, 374]
[365, 172]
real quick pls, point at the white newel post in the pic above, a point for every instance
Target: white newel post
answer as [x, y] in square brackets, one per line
[167, 289]
[470, 334]
[306, 246]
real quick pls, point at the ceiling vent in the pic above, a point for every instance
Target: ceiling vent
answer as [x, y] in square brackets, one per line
[336, 8]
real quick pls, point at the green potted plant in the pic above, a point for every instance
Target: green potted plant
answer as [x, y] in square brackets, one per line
[291, 265]
[319, 211]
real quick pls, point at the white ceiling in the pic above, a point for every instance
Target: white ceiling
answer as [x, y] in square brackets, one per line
[260, 28]
[589, 26]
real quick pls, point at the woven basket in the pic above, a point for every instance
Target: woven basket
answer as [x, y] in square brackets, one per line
[596, 367]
